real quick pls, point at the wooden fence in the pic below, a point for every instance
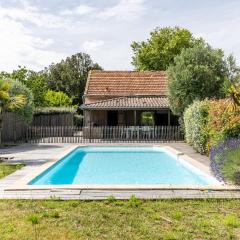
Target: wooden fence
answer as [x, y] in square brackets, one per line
[63, 119]
[73, 134]
[13, 128]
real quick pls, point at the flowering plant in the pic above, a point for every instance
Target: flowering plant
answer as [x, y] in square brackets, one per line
[219, 154]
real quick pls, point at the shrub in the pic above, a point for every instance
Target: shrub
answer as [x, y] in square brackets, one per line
[223, 122]
[26, 111]
[210, 121]
[195, 118]
[54, 110]
[57, 99]
[78, 120]
[224, 159]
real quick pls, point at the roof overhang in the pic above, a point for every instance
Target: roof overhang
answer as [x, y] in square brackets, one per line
[129, 103]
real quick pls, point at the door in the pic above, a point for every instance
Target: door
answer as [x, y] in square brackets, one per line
[112, 118]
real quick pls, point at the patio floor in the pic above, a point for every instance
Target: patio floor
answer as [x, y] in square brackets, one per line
[34, 155]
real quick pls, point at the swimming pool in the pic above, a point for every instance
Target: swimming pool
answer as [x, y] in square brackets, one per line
[122, 165]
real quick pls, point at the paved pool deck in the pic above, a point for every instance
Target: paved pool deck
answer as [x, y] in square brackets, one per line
[36, 155]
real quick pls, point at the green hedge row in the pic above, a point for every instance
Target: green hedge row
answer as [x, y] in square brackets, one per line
[54, 110]
[195, 118]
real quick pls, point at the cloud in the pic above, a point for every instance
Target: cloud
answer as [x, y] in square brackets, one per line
[90, 46]
[19, 47]
[124, 10]
[33, 15]
[80, 10]
[36, 33]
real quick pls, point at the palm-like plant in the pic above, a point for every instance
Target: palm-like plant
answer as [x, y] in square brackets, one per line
[233, 91]
[7, 101]
[234, 95]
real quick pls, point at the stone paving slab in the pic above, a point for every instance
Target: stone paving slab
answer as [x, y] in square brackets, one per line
[90, 195]
[35, 155]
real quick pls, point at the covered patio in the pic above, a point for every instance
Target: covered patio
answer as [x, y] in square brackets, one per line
[129, 111]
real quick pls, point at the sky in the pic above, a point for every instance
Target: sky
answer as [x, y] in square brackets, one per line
[36, 33]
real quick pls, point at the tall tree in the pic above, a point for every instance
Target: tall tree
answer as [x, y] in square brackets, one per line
[35, 81]
[70, 75]
[197, 73]
[158, 52]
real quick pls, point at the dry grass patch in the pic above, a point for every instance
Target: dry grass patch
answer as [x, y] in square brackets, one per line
[113, 219]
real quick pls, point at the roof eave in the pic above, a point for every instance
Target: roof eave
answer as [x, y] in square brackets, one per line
[122, 108]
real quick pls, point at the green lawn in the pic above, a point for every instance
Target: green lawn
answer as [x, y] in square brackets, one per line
[6, 169]
[134, 219]
[231, 164]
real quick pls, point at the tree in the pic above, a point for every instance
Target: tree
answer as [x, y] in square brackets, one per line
[57, 99]
[158, 52]
[35, 81]
[70, 75]
[197, 73]
[13, 97]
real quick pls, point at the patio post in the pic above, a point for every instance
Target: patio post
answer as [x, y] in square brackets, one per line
[90, 127]
[135, 118]
[169, 118]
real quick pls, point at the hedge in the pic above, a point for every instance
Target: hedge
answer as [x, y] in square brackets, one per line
[54, 110]
[195, 118]
[220, 158]
[223, 122]
[210, 121]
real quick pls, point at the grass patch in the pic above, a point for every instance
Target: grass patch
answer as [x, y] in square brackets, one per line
[6, 169]
[231, 164]
[114, 219]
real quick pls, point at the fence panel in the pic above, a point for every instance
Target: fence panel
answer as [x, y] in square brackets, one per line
[13, 129]
[63, 119]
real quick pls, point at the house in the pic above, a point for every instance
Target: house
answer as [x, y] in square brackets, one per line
[126, 98]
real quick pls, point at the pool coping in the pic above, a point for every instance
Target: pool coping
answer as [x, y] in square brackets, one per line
[22, 184]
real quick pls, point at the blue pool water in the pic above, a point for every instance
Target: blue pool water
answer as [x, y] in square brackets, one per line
[120, 165]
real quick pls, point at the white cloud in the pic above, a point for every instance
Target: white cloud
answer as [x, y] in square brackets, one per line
[90, 46]
[19, 47]
[33, 15]
[80, 10]
[124, 10]
[36, 35]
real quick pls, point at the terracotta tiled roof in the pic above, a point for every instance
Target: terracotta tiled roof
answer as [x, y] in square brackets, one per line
[122, 83]
[132, 102]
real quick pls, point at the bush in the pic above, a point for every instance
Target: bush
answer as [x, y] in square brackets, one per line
[54, 110]
[208, 122]
[25, 112]
[225, 160]
[78, 120]
[57, 99]
[223, 122]
[195, 118]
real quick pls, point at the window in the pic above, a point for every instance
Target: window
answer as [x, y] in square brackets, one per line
[147, 119]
